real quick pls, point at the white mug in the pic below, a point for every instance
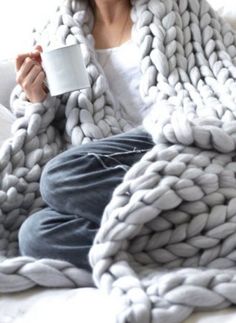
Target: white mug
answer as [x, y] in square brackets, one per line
[65, 69]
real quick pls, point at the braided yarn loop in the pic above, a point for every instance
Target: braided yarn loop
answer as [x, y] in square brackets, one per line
[166, 245]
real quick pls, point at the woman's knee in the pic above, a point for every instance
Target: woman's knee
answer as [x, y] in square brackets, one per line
[49, 234]
[60, 173]
[52, 177]
[29, 236]
[48, 180]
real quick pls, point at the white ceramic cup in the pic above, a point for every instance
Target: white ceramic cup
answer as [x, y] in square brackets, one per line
[65, 69]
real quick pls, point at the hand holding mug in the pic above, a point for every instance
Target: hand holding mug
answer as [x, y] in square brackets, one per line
[63, 67]
[31, 76]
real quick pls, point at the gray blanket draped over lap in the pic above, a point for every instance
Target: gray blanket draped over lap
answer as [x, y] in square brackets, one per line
[166, 246]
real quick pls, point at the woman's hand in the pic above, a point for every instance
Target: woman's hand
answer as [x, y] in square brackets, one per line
[31, 76]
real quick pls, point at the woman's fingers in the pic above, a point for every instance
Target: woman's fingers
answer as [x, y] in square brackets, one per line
[25, 68]
[20, 60]
[30, 77]
[39, 79]
[35, 54]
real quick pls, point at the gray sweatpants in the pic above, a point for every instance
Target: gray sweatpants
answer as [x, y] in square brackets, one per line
[76, 186]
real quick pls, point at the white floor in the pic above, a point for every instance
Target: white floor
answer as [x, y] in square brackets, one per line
[85, 305]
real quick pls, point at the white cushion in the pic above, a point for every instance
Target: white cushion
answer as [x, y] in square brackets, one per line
[6, 121]
[226, 9]
[7, 81]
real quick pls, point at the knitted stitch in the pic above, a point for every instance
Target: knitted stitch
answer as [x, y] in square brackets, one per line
[175, 207]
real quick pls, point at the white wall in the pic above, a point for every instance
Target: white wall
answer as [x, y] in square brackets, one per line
[17, 18]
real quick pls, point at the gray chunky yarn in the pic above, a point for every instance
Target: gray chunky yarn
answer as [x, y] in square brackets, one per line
[166, 246]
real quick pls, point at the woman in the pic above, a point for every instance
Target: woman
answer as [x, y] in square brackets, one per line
[78, 184]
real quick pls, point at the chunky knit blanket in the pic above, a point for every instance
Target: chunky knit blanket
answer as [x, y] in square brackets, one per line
[166, 245]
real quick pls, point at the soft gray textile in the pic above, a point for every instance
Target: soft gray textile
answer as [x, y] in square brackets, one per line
[166, 246]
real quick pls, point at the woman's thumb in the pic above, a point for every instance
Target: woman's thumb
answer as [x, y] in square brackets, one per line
[35, 54]
[39, 48]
